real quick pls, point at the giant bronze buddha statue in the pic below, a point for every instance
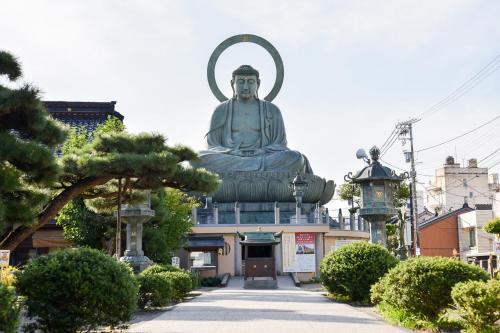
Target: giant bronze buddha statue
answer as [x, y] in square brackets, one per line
[248, 134]
[247, 147]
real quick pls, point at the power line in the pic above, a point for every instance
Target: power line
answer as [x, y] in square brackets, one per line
[459, 136]
[468, 85]
[399, 168]
[389, 138]
[489, 156]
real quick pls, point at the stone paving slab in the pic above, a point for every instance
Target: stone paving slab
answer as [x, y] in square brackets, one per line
[286, 310]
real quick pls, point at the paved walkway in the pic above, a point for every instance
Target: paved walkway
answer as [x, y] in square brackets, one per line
[287, 309]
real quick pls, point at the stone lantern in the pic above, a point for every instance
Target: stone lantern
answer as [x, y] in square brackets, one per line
[298, 185]
[135, 217]
[378, 184]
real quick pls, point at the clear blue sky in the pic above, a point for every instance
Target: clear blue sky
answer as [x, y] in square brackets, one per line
[352, 68]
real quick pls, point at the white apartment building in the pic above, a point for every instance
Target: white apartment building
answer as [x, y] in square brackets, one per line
[455, 185]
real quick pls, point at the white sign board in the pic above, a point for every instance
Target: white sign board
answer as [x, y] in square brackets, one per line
[4, 258]
[176, 262]
[342, 242]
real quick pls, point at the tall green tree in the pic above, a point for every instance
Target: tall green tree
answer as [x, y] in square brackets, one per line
[166, 232]
[27, 136]
[143, 161]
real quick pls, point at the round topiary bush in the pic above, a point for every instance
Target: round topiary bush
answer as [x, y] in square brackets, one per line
[77, 289]
[9, 310]
[422, 286]
[351, 270]
[181, 284]
[478, 303]
[155, 289]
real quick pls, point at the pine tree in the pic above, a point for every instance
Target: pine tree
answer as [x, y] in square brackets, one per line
[89, 171]
[27, 137]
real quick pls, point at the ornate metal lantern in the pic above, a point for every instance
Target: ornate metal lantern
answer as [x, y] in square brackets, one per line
[378, 184]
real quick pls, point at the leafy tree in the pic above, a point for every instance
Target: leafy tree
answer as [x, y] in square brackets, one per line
[493, 226]
[143, 161]
[83, 227]
[165, 232]
[350, 192]
[27, 136]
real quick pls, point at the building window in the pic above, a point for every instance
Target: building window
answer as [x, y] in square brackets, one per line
[472, 237]
[471, 194]
[464, 181]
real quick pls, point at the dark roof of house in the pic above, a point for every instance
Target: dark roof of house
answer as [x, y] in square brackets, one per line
[204, 243]
[484, 207]
[438, 218]
[78, 114]
[259, 238]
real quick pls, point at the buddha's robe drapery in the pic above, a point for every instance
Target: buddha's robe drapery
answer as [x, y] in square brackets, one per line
[223, 153]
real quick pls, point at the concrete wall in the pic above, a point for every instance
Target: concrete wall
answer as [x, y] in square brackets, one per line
[440, 238]
[484, 241]
[227, 261]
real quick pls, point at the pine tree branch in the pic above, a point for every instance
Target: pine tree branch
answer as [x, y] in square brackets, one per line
[51, 210]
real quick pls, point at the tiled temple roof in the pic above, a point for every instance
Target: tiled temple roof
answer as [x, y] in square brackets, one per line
[87, 114]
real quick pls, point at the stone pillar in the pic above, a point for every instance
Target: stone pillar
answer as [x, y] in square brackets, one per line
[237, 212]
[237, 254]
[194, 215]
[378, 233]
[341, 220]
[278, 258]
[318, 251]
[352, 222]
[216, 213]
[365, 225]
[276, 213]
[360, 223]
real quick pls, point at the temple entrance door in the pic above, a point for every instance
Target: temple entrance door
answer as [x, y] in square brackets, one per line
[258, 261]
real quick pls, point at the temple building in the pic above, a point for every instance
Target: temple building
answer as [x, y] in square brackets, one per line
[268, 216]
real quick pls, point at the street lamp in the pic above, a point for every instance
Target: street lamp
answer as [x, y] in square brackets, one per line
[378, 184]
[298, 185]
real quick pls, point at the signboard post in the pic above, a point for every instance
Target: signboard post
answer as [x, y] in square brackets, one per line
[176, 262]
[299, 252]
[4, 258]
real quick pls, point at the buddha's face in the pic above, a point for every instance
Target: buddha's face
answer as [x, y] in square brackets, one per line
[245, 86]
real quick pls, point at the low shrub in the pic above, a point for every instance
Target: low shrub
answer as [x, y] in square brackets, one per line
[478, 303]
[7, 276]
[211, 281]
[421, 287]
[195, 280]
[351, 270]
[77, 289]
[9, 310]
[181, 284]
[159, 268]
[493, 226]
[155, 289]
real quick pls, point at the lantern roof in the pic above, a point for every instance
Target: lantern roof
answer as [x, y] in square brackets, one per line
[375, 171]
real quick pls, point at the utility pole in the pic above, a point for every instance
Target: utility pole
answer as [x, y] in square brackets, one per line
[406, 133]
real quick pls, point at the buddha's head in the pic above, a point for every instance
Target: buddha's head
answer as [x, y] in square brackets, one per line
[245, 82]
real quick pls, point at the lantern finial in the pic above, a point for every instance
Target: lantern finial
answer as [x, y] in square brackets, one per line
[375, 153]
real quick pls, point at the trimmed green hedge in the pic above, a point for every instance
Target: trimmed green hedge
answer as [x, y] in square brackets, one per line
[9, 310]
[155, 289]
[351, 270]
[159, 268]
[181, 284]
[77, 289]
[478, 303]
[422, 286]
